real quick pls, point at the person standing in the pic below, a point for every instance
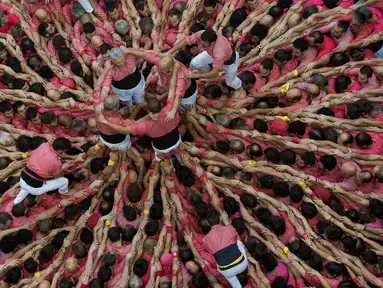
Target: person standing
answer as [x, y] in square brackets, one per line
[216, 50]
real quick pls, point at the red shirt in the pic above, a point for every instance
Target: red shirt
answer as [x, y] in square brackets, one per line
[45, 162]
[327, 46]
[220, 50]
[219, 237]
[12, 21]
[157, 128]
[34, 127]
[114, 117]
[4, 120]
[18, 122]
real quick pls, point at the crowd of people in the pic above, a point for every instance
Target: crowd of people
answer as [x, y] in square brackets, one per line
[198, 143]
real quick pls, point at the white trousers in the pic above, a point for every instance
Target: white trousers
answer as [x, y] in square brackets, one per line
[201, 63]
[166, 151]
[231, 274]
[136, 93]
[60, 183]
[126, 144]
[190, 100]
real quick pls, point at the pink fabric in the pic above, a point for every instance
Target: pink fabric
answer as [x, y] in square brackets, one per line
[220, 50]
[279, 271]
[45, 162]
[326, 47]
[118, 73]
[376, 147]
[219, 237]
[183, 82]
[308, 57]
[156, 128]
[114, 117]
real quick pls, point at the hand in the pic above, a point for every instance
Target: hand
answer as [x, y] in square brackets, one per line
[102, 119]
[170, 116]
[86, 69]
[11, 40]
[148, 204]
[188, 237]
[157, 265]
[116, 38]
[135, 33]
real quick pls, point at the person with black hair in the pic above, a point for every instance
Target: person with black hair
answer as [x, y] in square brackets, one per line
[368, 143]
[217, 51]
[42, 168]
[222, 242]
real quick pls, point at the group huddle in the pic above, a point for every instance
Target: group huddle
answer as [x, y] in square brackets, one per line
[191, 143]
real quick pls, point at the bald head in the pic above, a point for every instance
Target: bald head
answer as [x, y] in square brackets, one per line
[345, 139]
[41, 14]
[149, 245]
[216, 170]
[293, 94]
[53, 94]
[64, 121]
[166, 63]
[378, 173]
[71, 265]
[267, 20]
[132, 176]
[348, 170]
[111, 103]
[313, 89]
[96, 41]
[294, 20]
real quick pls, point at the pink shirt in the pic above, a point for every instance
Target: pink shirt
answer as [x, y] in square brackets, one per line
[118, 73]
[35, 127]
[280, 271]
[289, 66]
[45, 162]
[183, 82]
[36, 22]
[220, 50]
[157, 128]
[219, 237]
[376, 147]
[18, 122]
[114, 117]
[308, 57]
[373, 83]
[326, 47]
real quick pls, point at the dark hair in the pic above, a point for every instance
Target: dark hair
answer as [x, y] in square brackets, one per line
[308, 158]
[275, 12]
[315, 262]
[297, 127]
[316, 134]
[309, 10]
[71, 212]
[58, 41]
[61, 144]
[222, 146]
[277, 224]
[237, 17]
[134, 192]
[309, 210]
[266, 181]
[26, 44]
[59, 238]
[284, 4]
[288, 157]
[31, 113]
[13, 275]
[281, 189]
[341, 83]
[199, 280]
[353, 111]
[96, 283]
[30, 265]
[47, 253]
[254, 150]
[5, 106]
[128, 233]
[339, 59]
[151, 228]
[140, 267]
[318, 37]
[268, 261]
[328, 161]
[263, 214]
[109, 259]
[24, 143]
[272, 154]
[201, 209]
[14, 63]
[239, 225]
[248, 200]
[363, 139]
[353, 215]
[212, 217]
[334, 269]
[214, 91]
[370, 257]
[18, 210]
[321, 226]
[65, 55]
[301, 44]
[19, 84]
[46, 72]
[114, 234]
[282, 55]
[267, 64]
[333, 233]
[104, 273]
[209, 35]
[296, 193]
[230, 205]
[348, 244]
[88, 27]
[86, 236]
[259, 30]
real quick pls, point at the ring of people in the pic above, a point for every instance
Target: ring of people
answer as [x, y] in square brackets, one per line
[191, 143]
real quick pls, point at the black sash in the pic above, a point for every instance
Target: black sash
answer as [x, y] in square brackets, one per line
[35, 182]
[191, 90]
[227, 256]
[168, 140]
[129, 81]
[114, 138]
[232, 58]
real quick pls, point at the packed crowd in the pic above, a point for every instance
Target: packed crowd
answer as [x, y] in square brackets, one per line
[197, 143]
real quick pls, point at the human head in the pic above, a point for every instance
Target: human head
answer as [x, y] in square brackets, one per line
[6, 108]
[209, 6]
[296, 193]
[363, 140]
[248, 79]
[61, 144]
[315, 39]
[357, 21]
[13, 275]
[46, 29]
[327, 162]
[6, 220]
[272, 154]
[281, 56]
[208, 37]
[258, 33]
[281, 189]
[345, 139]
[340, 29]
[338, 59]
[266, 181]
[297, 128]
[309, 10]
[365, 74]
[199, 280]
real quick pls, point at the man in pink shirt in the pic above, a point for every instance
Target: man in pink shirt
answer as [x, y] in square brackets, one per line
[39, 175]
[322, 43]
[107, 135]
[127, 81]
[165, 135]
[360, 27]
[285, 61]
[218, 51]
[229, 253]
[303, 52]
[369, 143]
[266, 71]
[366, 77]
[340, 32]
